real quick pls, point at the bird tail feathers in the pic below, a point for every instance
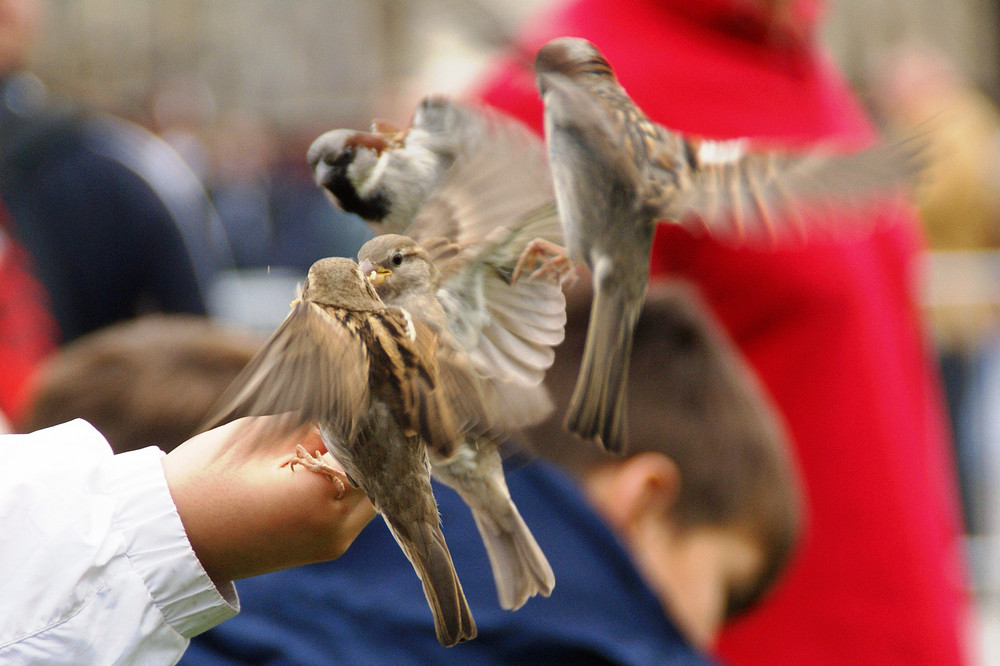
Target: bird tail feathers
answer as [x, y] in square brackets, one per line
[425, 547]
[597, 408]
[519, 566]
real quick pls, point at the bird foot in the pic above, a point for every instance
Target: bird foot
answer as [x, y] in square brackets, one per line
[320, 463]
[545, 260]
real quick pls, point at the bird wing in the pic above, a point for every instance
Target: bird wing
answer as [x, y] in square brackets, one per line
[489, 407]
[313, 368]
[500, 175]
[735, 192]
[406, 371]
[474, 226]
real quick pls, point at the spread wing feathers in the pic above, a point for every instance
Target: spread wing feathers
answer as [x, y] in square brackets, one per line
[738, 193]
[312, 368]
[505, 179]
[475, 225]
[523, 323]
[490, 407]
[405, 374]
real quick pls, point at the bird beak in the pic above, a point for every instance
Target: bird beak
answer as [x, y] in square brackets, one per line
[375, 274]
[391, 132]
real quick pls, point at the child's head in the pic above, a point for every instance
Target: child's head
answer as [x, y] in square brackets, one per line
[706, 497]
[146, 382]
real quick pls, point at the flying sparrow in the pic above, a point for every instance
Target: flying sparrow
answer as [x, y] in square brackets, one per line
[368, 374]
[385, 175]
[616, 173]
[492, 201]
[490, 407]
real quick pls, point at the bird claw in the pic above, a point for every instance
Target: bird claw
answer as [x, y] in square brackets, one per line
[319, 464]
[545, 260]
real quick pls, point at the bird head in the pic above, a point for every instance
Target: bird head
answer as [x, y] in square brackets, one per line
[574, 58]
[344, 164]
[397, 266]
[339, 282]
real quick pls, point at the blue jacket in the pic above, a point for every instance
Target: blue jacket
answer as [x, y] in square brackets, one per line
[367, 607]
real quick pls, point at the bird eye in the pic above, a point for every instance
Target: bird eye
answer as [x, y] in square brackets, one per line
[397, 259]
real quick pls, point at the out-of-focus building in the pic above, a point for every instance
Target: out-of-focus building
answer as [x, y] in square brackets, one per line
[295, 63]
[291, 61]
[314, 61]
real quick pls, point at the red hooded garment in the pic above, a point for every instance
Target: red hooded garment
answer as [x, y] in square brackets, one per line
[832, 330]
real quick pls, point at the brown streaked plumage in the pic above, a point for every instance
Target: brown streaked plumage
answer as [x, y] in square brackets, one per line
[367, 373]
[490, 409]
[616, 173]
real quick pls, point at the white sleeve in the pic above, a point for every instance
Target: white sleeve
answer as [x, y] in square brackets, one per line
[95, 566]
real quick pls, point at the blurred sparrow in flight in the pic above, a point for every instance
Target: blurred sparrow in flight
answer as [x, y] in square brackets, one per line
[616, 173]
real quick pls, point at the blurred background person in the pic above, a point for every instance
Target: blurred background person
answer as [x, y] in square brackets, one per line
[832, 328]
[150, 381]
[652, 553]
[113, 221]
[181, 111]
[268, 202]
[280, 223]
[959, 201]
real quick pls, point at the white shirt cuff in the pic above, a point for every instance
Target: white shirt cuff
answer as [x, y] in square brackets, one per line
[157, 546]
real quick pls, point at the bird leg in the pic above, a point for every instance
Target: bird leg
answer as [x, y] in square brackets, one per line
[544, 259]
[320, 463]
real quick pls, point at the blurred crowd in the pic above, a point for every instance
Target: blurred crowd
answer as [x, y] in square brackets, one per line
[189, 208]
[180, 209]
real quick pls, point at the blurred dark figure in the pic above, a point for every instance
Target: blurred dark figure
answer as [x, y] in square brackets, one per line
[181, 109]
[280, 223]
[146, 382]
[271, 209]
[113, 220]
[652, 552]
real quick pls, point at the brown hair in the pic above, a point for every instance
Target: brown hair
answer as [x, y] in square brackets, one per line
[693, 398]
[147, 382]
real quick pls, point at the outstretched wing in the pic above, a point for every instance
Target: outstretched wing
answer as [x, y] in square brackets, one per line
[500, 174]
[735, 192]
[474, 226]
[313, 368]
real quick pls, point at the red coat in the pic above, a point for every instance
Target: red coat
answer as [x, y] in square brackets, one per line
[832, 329]
[28, 332]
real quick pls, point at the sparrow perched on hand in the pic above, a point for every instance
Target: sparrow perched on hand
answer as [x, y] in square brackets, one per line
[490, 407]
[616, 173]
[367, 373]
